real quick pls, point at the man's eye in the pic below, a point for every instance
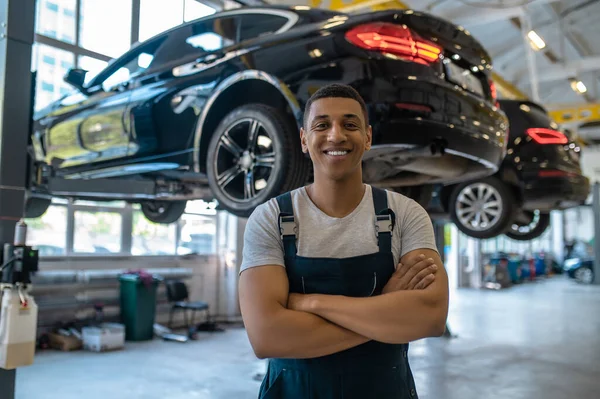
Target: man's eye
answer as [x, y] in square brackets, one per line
[321, 126]
[351, 126]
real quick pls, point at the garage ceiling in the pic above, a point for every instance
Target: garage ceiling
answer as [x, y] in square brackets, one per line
[568, 28]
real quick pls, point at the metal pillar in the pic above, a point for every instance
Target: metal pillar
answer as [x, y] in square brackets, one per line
[440, 240]
[230, 241]
[16, 39]
[558, 236]
[526, 27]
[596, 207]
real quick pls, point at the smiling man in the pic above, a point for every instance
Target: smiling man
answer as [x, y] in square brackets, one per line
[338, 276]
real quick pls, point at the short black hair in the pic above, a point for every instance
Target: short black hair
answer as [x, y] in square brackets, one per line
[336, 90]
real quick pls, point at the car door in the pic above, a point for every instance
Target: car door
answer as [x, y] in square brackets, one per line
[107, 134]
[91, 126]
[165, 99]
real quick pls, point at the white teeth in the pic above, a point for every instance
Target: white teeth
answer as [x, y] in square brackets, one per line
[337, 153]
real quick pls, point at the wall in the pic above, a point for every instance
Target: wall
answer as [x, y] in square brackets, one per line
[69, 301]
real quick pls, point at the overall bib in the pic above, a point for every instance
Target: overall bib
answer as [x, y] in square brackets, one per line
[373, 370]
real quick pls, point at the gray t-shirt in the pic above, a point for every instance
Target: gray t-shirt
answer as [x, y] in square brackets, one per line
[323, 236]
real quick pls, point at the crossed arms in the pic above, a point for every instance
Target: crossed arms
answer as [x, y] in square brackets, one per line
[413, 306]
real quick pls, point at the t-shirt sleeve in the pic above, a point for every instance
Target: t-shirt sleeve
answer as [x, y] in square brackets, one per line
[262, 243]
[416, 229]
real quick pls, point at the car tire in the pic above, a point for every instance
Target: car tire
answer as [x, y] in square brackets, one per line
[538, 225]
[163, 212]
[584, 275]
[35, 207]
[253, 156]
[421, 194]
[499, 214]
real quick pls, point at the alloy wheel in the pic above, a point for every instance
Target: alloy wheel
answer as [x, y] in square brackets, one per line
[244, 160]
[526, 228]
[584, 275]
[479, 206]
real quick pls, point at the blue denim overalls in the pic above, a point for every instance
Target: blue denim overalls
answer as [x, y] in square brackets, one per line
[373, 370]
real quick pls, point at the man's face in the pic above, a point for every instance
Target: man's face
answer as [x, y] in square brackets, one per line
[336, 137]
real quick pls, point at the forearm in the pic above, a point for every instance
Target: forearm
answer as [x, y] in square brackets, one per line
[295, 334]
[396, 317]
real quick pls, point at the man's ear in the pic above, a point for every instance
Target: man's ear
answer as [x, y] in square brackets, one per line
[303, 141]
[369, 138]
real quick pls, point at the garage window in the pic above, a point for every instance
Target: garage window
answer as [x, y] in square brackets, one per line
[97, 232]
[48, 233]
[94, 33]
[149, 238]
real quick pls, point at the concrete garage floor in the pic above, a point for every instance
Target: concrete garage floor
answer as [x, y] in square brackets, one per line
[536, 340]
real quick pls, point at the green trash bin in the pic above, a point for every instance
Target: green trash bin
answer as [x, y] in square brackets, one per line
[138, 306]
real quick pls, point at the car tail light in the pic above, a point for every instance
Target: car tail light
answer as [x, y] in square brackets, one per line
[555, 173]
[394, 39]
[547, 136]
[414, 107]
[494, 92]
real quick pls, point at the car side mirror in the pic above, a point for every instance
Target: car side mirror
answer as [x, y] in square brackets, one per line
[76, 77]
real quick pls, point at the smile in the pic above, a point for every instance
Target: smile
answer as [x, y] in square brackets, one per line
[337, 153]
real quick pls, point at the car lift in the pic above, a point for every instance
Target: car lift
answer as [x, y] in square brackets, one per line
[17, 23]
[596, 209]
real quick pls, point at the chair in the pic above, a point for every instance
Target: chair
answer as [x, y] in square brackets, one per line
[177, 294]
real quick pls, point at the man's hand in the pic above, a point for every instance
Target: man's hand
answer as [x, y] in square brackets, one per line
[415, 276]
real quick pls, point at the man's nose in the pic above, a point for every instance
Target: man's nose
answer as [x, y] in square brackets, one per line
[336, 133]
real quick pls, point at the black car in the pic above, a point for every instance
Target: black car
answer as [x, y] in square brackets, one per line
[211, 109]
[541, 173]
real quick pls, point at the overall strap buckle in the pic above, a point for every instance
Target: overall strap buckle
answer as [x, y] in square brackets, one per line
[287, 226]
[383, 224]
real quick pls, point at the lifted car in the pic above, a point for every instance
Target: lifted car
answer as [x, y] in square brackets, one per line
[211, 109]
[540, 173]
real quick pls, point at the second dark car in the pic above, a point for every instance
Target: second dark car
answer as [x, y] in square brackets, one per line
[541, 173]
[211, 109]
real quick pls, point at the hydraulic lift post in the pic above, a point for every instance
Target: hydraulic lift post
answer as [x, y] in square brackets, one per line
[17, 25]
[596, 209]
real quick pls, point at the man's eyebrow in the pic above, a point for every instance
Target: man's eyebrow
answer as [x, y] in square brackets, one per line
[345, 116]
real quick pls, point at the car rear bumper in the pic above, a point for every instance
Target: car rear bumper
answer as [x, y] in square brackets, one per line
[552, 193]
[412, 115]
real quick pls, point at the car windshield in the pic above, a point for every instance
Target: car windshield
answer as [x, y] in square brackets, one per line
[132, 63]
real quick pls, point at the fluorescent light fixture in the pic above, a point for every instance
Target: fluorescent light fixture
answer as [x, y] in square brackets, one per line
[578, 86]
[535, 40]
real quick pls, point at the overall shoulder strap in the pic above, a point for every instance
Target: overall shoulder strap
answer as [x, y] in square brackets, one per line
[287, 223]
[385, 219]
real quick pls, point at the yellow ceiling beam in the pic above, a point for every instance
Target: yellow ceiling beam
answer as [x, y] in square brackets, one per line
[567, 113]
[504, 87]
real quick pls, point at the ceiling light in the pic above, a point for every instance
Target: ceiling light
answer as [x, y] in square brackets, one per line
[536, 42]
[578, 86]
[581, 87]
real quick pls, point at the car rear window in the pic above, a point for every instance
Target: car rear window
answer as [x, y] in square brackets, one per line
[255, 25]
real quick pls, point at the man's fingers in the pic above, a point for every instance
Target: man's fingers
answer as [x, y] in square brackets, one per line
[409, 263]
[429, 270]
[417, 268]
[424, 283]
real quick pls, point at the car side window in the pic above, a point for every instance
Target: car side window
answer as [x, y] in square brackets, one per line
[134, 67]
[197, 39]
[130, 64]
[255, 25]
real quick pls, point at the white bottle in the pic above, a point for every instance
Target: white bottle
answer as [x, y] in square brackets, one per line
[18, 324]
